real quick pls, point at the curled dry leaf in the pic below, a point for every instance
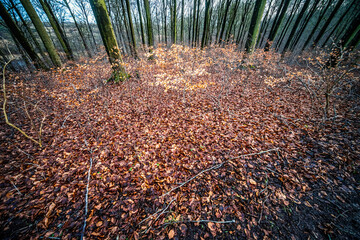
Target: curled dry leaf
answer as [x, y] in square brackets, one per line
[171, 234]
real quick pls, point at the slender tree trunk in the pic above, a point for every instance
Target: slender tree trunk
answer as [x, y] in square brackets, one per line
[132, 32]
[296, 24]
[108, 37]
[220, 13]
[327, 23]
[33, 38]
[165, 24]
[320, 17]
[78, 28]
[280, 15]
[264, 24]
[304, 25]
[232, 20]
[173, 21]
[206, 23]
[349, 40]
[227, 7]
[149, 27]
[287, 24]
[141, 22]
[340, 20]
[197, 25]
[16, 32]
[42, 33]
[182, 22]
[84, 10]
[57, 29]
[255, 25]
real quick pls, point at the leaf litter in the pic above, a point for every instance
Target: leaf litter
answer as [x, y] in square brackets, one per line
[198, 146]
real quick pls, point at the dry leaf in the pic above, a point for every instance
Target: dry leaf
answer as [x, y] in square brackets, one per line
[252, 181]
[171, 234]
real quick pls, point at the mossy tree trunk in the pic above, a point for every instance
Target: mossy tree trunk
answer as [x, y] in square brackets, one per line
[18, 35]
[255, 25]
[108, 36]
[25, 24]
[42, 33]
[57, 29]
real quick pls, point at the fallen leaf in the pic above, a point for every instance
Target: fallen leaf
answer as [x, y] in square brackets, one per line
[171, 234]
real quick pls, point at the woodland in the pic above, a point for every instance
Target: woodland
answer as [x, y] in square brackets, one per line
[180, 119]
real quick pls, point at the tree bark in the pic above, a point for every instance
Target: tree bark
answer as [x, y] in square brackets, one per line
[141, 22]
[132, 32]
[255, 25]
[42, 33]
[108, 36]
[57, 29]
[78, 28]
[16, 32]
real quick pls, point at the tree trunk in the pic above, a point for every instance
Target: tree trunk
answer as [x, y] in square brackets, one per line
[173, 21]
[57, 29]
[108, 36]
[280, 15]
[149, 26]
[33, 38]
[340, 20]
[206, 23]
[227, 6]
[287, 24]
[78, 28]
[326, 24]
[132, 32]
[141, 22]
[232, 20]
[164, 14]
[255, 25]
[306, 21]
[296, 24]
[84, 10]
[42, 33]
[321, 15]
[182, 22]
[16, 32]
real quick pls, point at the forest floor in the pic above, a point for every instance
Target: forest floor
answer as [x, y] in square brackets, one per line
[195, 145]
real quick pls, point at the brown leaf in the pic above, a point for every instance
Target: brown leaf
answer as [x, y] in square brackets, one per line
[252, 181]
[171, 234]
[98, 224]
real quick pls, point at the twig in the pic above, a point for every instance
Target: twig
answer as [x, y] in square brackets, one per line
[65, 120]
[253, 154]
[218, 166]
[163, 211]
[182, 184]
[87, 194]
[212, 221]
[5, 114]
[16, 188]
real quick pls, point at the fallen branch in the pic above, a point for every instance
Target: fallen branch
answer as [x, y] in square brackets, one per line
[87, 194]
[6, 117]
[162, 212]
[216, 167]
